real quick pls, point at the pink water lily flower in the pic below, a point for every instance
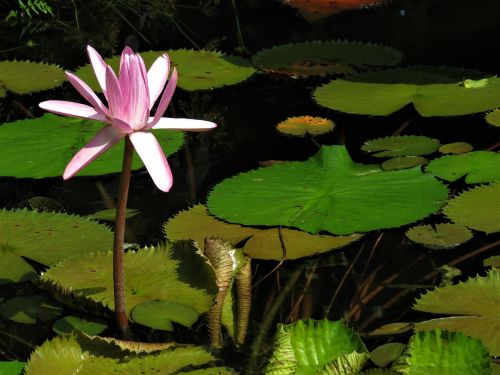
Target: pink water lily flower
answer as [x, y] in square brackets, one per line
[130, 97]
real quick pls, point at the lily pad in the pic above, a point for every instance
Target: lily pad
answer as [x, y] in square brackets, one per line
[161, 314]
[401, 145]
[493, 261]
[441, 236]
[392, 329]
[327, 192]
[403, 162]
[387, 353]
[28, 310]
[197, 224]
[476, 208]
[475, 304]
[110, 214]
[319, 58]
[306, 346]
[71, 323]
[166, 273]
[476, 166]
[12, 367]
[23, 77]
[493, 117]
[434, 91]
[438, 352]
[456, 148]
[305, 125]
[45, 237]
[198, 70]
[42, 147]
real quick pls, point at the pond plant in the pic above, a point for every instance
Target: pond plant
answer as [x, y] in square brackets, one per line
[324, 227]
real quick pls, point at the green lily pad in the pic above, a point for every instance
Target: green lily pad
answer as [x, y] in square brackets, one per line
[161, 314]
[401, 145]
[305, 125]
[29, 309]
[167, 273]
[438, 353]
[493, 117]
[317, 58]
[476, 166]
[392, 329]
[42, 147]
[493, 261]
[327, 192]
[345, 364]
[306, 346]
[110, 214]
[403, 162]
[70, 323]
[442, 236]
[23, 77]
[456, 148]
[42, 204]
[198, 70]
[434, 91]
[197, 224]
[11, 367]
[384, 354]
[476, 305]
[47, 238]
[475, 208]
[78, 353]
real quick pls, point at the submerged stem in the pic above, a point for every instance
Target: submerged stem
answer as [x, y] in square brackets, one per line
[118, 273]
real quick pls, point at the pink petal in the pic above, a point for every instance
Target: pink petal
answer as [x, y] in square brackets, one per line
[121, 125]
[157, 77]
[165, 99]
[137, 105]
[62, 107]
[99, 68]
[184, 124]
[87, 93]
[115, 99]
[106, 138]
[153, 158]
[123, 77]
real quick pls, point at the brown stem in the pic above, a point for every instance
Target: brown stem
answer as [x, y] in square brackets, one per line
[118, 273]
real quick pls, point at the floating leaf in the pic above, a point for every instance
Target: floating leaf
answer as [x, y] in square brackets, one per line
[441, 236]
[305, 125]
[70, 323]
[23, 77]
[493, 261]
[476, 166]
[387, 353]
[29, 309]
[455, 148]
[327, 192]
[401, 145]
[306, 346]
[110, 214]
[45, 237]
[434, 91]
[198, 70]
[11, 367]
[153, 274]
[161, 314]
[392, 329]
[42, 204]
[319, 58]
[345, 364]
[476, 302]
[438, 353]
[197, 224]
[403, 162]
[475, 208]
[493, 117]
[42, 147]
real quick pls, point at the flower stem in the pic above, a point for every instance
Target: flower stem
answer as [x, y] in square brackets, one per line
[118, 273]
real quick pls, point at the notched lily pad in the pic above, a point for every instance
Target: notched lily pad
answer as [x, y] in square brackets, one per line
[161, 314]
[401, 145]
[403, 162]
[71, 323]
[305, 125]
[319, 58]
[456, 148]
[28, 310]
[493, 117]
[441, 236]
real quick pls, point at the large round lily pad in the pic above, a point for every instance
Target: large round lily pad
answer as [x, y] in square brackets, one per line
[166, 273]
[197, 224]
[475, 305]
[47, 238]
[401, 145]
[23, 77]
[434, 91]
[441, 236]
[477, 208]
[318, 58]
[327, 192]
[476, 166]
[42, 147]
[198, 70]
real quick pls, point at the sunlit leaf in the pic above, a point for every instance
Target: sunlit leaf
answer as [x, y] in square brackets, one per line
[493, 117]
[305, 125]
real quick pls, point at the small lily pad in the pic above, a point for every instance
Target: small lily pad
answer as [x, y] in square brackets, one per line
[456, 148]
[23, 77]
[12, 367]
[401, 145]
[305, 125]
[476, 166]
[477, 208]
[434, 91]
[70, 323]
[161, 314]
[387, 353]
[110, 214]
[28, 310]
[493, 261]
[441, 236]
[403, 162]
[319, 58]
[392, 329]
[493, 117]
